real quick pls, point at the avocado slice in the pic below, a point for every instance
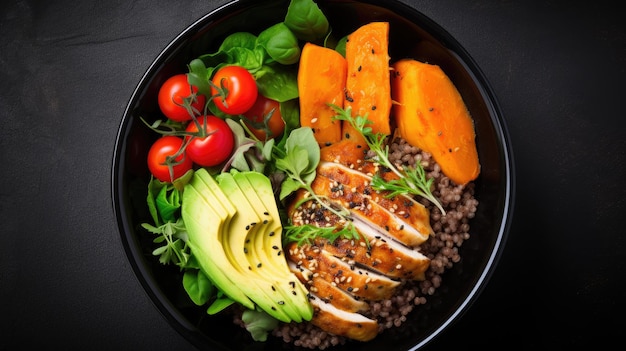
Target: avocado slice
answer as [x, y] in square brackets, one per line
[245, 226]
[268, 246]
[204, 228]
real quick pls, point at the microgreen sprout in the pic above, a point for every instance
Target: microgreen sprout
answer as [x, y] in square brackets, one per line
[411, 180]
[298, 159]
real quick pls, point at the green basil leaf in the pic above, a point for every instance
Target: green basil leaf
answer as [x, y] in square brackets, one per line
[238, 40]
[278, 82]
[303, 138]
[168, 202]
[198, 286]
[306, 20]
[219, 304]
[248, 58]
[280, 43]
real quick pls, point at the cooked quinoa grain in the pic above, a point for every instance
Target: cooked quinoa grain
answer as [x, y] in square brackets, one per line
[450, 231]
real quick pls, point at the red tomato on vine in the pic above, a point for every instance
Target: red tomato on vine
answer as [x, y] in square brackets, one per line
[233, 89]
[210, 146]
[264, 116]
[171, 98]
[164, 160]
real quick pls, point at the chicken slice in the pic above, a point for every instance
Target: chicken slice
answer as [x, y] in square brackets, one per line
[326, 291]
[405, 208]
[362, 206]
[357, 281]
[339, 322]
[376, 252]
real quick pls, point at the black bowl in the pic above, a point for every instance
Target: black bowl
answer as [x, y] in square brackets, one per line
[412, 34]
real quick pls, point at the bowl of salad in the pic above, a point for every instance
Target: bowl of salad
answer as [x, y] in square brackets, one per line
[302, 174]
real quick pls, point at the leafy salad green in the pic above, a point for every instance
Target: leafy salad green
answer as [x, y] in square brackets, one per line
[289, 161]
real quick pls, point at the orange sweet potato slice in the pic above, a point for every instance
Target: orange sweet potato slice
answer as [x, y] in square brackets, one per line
[431, 114]
[367, 84]
[321, 81]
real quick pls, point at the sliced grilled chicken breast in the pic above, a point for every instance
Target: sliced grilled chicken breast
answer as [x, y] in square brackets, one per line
[379, 254]
[357, 281]
[355, 186]
[342, 276]
[326, 291]
[339, 322]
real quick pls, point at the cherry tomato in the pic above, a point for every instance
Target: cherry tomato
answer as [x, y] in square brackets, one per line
[162, 148]
[213, 149]
[171, 95]
[258, 112]
[234, 89]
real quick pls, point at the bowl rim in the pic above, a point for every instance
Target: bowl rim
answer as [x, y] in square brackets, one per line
[167, 308]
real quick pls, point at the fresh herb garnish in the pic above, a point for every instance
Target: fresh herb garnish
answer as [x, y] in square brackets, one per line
[174, 247]
[298, 158]
[305, 234]
[411, 180]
